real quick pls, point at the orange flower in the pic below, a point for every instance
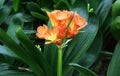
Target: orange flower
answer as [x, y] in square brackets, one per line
[41, 30]
[60, 17]
[60, 30]
[76, 24]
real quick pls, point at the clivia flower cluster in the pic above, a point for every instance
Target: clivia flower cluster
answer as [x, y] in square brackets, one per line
[66, 24]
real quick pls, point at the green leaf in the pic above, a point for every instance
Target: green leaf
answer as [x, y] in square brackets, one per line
[15, 22]
[5, 51]
[21, 53]
[39, 16]
[32, 50]
[103, 10]
[16, 5]
[84, 71]
[5, 10]
[56, 1]
[1, 3]
[45, 3]
[51, 53]
[93, 52]
[80, 6]
[62, 5]
[114, 66]
[80, 44]
[32, 6]
[116, 9]
[115, 28]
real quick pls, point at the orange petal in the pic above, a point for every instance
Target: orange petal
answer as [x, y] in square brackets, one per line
[41, 30]
[60, 17]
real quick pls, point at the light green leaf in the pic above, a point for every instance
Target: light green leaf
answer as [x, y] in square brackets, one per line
[1, 3]
[84, 71]
[114, 66]
[116, 9]
[115, 28]
[16, 5]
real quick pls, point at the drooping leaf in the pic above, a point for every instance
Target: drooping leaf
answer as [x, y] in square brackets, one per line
[32, 50]
[15, 22]
[5, 10]
[21, 53]
[39, 16]
[114, 66]
[84, 71]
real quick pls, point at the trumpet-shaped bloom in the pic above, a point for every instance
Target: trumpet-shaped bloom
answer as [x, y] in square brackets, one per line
[60, 17]
[76, 24]
[60, 30]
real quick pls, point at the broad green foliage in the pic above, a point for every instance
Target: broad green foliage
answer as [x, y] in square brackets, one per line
[19, 54]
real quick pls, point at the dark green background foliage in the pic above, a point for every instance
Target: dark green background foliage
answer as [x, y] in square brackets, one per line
[23, 54]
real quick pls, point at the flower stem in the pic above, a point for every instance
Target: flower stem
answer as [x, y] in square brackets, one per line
[59, 66]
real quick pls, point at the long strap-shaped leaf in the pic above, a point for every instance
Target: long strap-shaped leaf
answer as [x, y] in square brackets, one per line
[84, 71]
[32, 50]
[21, 53]
[114, 66]
[93, 52]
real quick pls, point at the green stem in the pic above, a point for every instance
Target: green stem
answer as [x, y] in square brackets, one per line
[59, 66]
